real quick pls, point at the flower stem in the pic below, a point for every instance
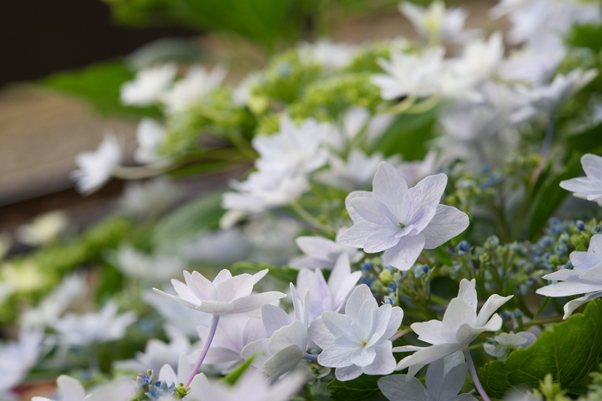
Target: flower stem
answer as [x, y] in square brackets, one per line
[208, 341]
[399, 333]
[547, 143]
[308, 217]
[475, 378]
[543, 321]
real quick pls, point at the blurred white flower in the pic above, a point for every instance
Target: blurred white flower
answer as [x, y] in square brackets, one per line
[354, 173]
[50, 308]
[358, 342]
[156, 354]
[508, 342]
[472, 122]
[331, 295]
[293, 149]
[242, 94]
[149, 85]
[590, 186]
[415, 171]
[584, 278]
[351, 124]
[253, 386]
[272, 239]
[322, 253]
[220, 247]
[92, 328]
[44, 229]
[95, 168]
[547, 99]
[231, 336]
[180, 320]
[69, 389]
[444, 380]
[480, 58]
[286, 341]
[150, 268]
[436, 23]
[17, 358]
[332, 56]
[460, 326]
[150, 136]
[144, 198]
[191, 89]
[224, 296]
[169, 376]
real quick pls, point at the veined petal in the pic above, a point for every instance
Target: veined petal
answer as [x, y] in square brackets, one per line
[384, 362]
[202, 288]
[458, 312]
[382, 239]
[255, 301]
[355, 217]
[429, 332]
[274, 318]
[428, 355]
[215, 307]
[570, 306]
[380, 323]
[468, 292]
[447, 223]
[348, 373]
[295, 334]
[283, 361]
[184, 292]
[177, 299]
[357, 235]
[374, 211]
[394, 322]
[390, 188]
[492, 304]
[320, 335]
[426, 194]
[338, 356]
[401, 387]
[336, 323]
[356, 301]
[404, 254]
[564, 275]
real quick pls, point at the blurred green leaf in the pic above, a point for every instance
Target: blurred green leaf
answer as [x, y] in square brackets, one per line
[233, 377]
[567, 350]
[363, 388]
[99, 85]
[190, 219]
[589, 141]
[586, 36]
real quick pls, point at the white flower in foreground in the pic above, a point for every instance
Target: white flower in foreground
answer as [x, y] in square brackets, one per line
[253, 386]
[354, 173]
[96, 168]
[263, 191]
[584, 278]
[179, 320]
[156, 354]
[508, 342]
[150, 136]
[92, 328]
[149, 197]
[225, 295]
[415, 171]
[156, 268]
[358, 341]
[169, 376]
[401, 221]
[331, 295]
[293, 149]
[17, 358]
[444, 380]
[547, 99]
[43, 229]
[436, 23]
[191, 89]
[321, 252]
[411, 74]
[287, 342]
[148, 86]
[330, 55]
[590, 186]
[231, 336]
[69, 389]
[460, 326]
[54, 304]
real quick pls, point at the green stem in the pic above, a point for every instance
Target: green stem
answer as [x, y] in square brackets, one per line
[308, 217]
[542, 307]
[543, 321]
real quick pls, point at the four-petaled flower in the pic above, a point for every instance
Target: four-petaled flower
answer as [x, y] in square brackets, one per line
[401, 221]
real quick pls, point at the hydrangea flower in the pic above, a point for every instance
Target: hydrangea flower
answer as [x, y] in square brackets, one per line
[584, 278]
[508, 342]
[590, 186]
[331, 295]
[321, 252]
[332, 56]
[358, 341]
[287, 342]
[225, 295]
[155, 268]
[91, 328]
[436, 23]
[156, 354]
[253, 386]
[95, 168]
[44, 229]
[354, 173]
[460, 326]
[401, 221]
[480, 58]
[69, 389]
[150, 136]
[149, 85]
[444, 380]
[191, 89]
[17, 358]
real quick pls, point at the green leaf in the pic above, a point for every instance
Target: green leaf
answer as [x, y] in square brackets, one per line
[443, 256]
[586, 36]
[233, 376]
[99, 85]
[589, 141]
[567, 350]
[364, 387]
[189, 220]
[551, 196]
[284, 273]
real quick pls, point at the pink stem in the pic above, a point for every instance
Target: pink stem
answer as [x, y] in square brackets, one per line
[475, 378]
[208, 341]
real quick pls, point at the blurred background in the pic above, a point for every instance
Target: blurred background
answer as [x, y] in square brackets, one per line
[63, 63]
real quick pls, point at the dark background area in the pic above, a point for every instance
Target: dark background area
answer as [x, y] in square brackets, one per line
[40, 37]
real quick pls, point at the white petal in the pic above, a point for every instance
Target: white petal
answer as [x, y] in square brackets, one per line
[492, 304]
[402, 388]
[255, 301]
[570, 306]
[293, 334]
[429, 332]
[355, 217]
[394, 322]
[447, 223]
[405, 253]
[566, 288]
[285, 360]
[320, 335]
[384, 362]
[70, 388]
[274, 318]
[427, 355]
[390, 188]
[357, 235]
[356, 301]
[458, 313]
[348, 373]
[468, 292]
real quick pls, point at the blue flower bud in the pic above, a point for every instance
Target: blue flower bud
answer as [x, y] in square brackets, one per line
[463, 247]
[561, 249]
[580, 225]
